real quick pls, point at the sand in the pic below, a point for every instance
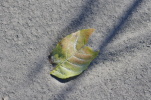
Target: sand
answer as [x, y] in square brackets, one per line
[30, 29]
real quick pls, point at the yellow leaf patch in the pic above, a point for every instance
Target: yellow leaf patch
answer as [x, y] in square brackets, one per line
[71, 55]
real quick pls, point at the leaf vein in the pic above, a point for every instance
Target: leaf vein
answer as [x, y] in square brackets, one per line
[73, 64]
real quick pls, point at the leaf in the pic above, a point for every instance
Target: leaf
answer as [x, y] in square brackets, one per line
[71, 55]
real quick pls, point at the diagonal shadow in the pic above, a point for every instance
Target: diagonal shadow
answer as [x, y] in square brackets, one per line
[122, 20]
[116, 29]
[128, 13]
[87, 13]
[34, 72]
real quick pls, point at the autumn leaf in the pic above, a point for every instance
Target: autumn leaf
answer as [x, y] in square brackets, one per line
[71, 56]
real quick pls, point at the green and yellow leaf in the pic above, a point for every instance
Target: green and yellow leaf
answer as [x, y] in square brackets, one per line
[71, 55]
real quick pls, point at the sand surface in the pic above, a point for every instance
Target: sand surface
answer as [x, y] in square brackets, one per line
[30, 29]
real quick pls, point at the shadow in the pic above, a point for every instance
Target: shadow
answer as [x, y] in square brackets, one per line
[122, 20]
[64, 92]
[114, 32]
[139, 44]
[112, 55]
[65, 80]
[33, 73]
[87, 13]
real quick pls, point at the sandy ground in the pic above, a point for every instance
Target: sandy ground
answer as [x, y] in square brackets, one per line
[30, 29]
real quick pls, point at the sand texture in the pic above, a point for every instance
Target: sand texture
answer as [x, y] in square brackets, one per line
[30, 29]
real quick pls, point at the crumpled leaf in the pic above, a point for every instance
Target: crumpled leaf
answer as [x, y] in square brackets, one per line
[71, 55]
